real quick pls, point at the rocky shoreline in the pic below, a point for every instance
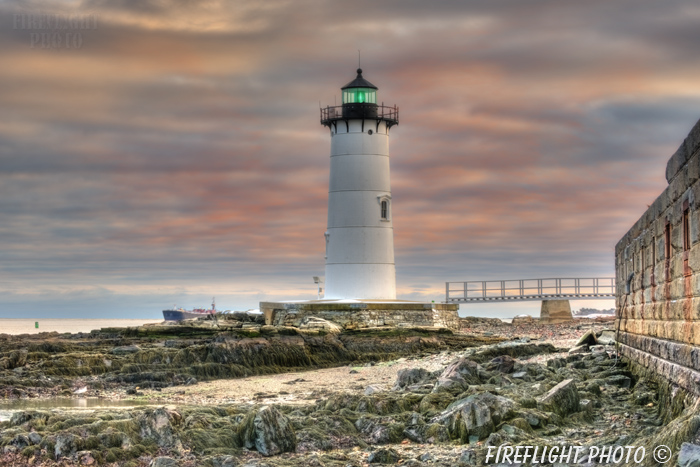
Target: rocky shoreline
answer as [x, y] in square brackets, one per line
[321, 397]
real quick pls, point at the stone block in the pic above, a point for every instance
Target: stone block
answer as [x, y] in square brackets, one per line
[675, 310]
[676, 188]
[692, 141]
[693, 167]
[677, 288]
[695, 308]
[674, 164]
[658, 267]
[562, 399]
[682, 376]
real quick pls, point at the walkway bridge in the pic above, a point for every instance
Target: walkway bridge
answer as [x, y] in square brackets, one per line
[530, 289]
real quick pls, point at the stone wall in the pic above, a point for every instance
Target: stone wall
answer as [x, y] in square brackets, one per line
[657, 267]
[364, 315]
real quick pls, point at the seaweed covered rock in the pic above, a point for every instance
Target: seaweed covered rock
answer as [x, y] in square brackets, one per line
[476, 416]
[645, 392]
[268, 431]
[159, 425]
[384, 456]
[380, 430]
[502, 364]
[458, 376]
[224, 461]
[429, 433]
[66, 445]
[163, 461]
[162, 355]
[513, 349]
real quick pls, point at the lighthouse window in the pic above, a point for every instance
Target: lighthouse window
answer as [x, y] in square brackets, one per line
[385, 210]
[360, 96]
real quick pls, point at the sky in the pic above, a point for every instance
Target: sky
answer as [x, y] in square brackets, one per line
[161, 152]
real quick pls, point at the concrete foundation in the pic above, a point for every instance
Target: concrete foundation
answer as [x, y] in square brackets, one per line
[351, 314]
[555, 312]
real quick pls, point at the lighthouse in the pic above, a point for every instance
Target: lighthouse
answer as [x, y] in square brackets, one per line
[360, 271]
[360, 234]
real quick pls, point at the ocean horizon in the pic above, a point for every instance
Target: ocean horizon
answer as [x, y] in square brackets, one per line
[15, 326]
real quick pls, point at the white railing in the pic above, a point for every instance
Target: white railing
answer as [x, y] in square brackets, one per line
[530, 289]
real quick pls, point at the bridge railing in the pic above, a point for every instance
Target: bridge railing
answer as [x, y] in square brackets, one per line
[530, 289]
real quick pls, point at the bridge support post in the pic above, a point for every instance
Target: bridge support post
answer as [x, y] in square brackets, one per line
[555, 312]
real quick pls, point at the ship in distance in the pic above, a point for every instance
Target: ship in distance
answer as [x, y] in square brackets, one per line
[178, 314]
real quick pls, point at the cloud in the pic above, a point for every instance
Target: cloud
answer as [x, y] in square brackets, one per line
[180, 145]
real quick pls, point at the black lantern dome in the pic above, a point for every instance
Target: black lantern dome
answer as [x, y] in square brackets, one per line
[360, 102]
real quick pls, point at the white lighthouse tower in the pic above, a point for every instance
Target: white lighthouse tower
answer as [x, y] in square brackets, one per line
[360, 233]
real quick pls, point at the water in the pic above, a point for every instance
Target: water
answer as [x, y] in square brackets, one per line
[9, 407]
[28, 326]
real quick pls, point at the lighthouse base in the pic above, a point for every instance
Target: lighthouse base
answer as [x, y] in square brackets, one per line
[355, 314]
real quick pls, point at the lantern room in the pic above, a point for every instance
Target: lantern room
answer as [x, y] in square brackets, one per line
[359, 91]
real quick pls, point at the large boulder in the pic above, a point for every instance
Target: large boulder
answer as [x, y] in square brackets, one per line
[589, 338]
[475, 416]
[562, 399]
[410, 376]
[268, 431]
[689, 455]
[458, 376]
[606, 337]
